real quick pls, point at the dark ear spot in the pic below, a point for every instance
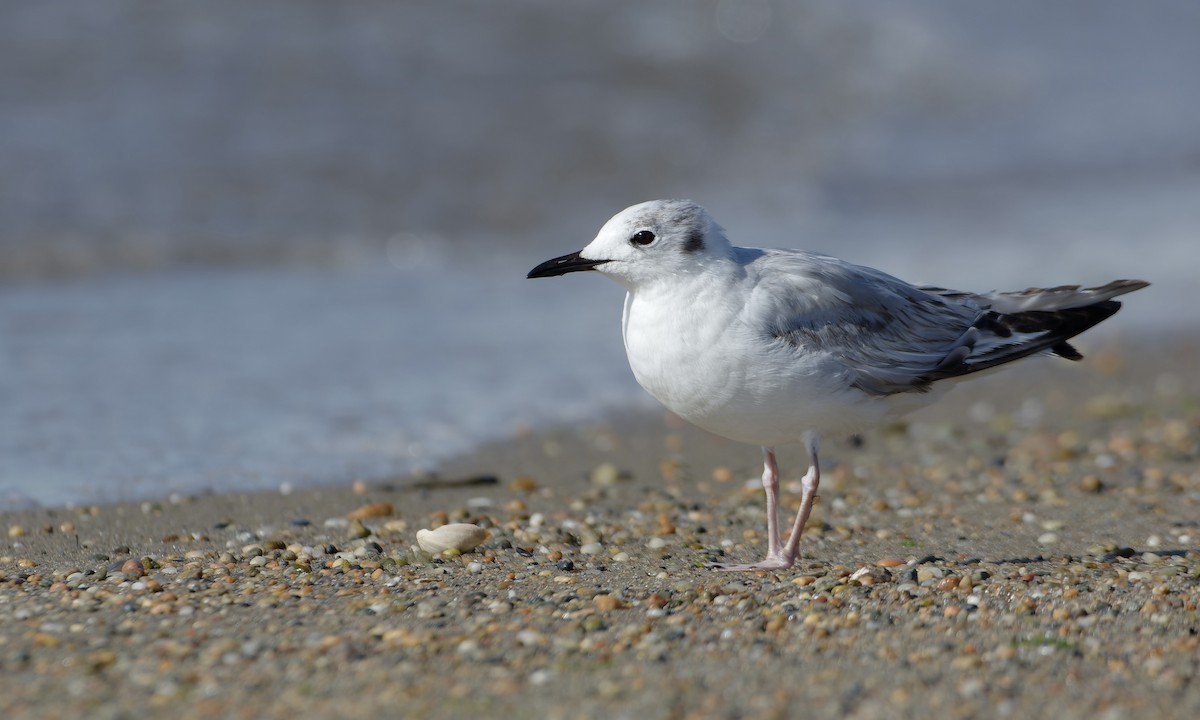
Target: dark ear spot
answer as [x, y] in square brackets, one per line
[694, 243]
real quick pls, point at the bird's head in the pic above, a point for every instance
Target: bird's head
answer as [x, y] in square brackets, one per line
[646, 242]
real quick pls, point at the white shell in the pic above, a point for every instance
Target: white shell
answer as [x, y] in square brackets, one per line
[456, 536]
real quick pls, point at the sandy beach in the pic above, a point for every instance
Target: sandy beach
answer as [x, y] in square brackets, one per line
[1030, 547]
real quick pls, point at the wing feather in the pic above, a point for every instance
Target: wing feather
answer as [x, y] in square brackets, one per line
[892, 337]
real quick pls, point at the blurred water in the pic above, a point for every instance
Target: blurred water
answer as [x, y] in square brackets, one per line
[185, 381]
[249, 244]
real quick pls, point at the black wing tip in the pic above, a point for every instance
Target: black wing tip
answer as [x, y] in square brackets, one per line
[1055, 326]
[1066, 350]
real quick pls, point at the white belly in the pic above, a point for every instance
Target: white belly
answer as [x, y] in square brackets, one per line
[720, 374]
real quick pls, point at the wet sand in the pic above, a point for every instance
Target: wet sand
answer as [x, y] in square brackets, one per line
[1030, 547]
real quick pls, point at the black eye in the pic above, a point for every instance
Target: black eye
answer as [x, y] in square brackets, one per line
[642, 237]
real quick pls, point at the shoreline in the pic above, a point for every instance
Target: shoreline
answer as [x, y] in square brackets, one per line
[1032, 543]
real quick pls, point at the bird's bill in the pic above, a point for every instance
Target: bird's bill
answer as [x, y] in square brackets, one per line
[563, 265]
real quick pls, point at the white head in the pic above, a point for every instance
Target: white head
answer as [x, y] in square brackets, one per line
[647, 241]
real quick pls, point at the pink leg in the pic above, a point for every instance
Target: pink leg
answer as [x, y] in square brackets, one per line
[809, 484]
[778, 556]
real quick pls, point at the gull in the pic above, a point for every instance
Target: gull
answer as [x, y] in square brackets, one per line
[773, 347]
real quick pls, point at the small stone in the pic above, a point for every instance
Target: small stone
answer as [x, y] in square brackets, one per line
[890, 562]
[523, 484]
[665, 525]
[531, 638]
[605, 475]
[607, 603]
[373, 510]
[657, 601]
[357, 530]
[592, 548]
[1047, 538]
[458, 537]
[16, 531]
[592, 624]
[133, 568]
[925, 574]
[948, 583]
[100, 659]
[395, 526]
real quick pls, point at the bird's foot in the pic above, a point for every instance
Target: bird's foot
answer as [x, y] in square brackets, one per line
[771, 562]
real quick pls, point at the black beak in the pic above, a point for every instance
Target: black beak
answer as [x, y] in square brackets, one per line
[563, 265]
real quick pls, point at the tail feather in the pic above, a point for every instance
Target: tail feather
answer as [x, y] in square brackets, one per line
[1019, 324]
[1063, 297]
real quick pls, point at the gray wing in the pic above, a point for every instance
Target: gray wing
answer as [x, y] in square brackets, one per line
[892, 337]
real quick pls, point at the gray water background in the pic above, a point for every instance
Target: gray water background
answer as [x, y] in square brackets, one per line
[246, 244]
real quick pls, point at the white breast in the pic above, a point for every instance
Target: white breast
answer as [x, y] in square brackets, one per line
[695, 353]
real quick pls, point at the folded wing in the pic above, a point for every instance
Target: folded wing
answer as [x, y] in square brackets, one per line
[892, 337]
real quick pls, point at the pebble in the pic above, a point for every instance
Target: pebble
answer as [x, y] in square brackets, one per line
[722, 474]
[605, 475]
[372, 510]
[133, 568]
[607, 603]
[523, 484]
[457, 537]
[592, 548]
[926, 573]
